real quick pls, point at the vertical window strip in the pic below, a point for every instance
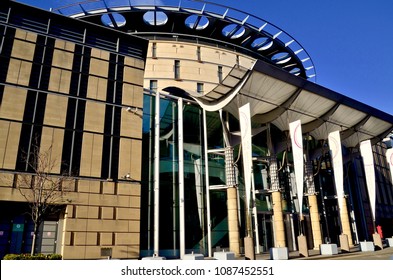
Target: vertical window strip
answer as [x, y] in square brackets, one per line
[200, 88]
[219, 73]
[154, 50]
[153, 86]
[177, 69]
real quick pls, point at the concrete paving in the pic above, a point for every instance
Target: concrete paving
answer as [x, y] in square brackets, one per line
[354, 254]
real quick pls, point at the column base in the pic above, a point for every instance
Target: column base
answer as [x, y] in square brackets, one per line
[377, 241]
[367, 246]
[328, 249]
[303, 248]
[344, 243]
[279, 253]
[193, 257]
[224, 255]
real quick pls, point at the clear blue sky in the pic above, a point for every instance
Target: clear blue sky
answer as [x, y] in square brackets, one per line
[349, 41]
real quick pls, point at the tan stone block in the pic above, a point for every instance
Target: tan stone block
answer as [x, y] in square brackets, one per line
[134, 226]
[81, 211]
[13, 103]
[94, 116]
[79, 198]
[85, 238]
[93, 252]
[126, 252]
[19, 72]
[24, 35]
[108, 225]
[133, 75]
[11, 194]
[90, 212]
[136, 162]
[9, 141]
[70, 211]
[131, 124]
[97, 88]
[129, 189]
[67, 238]
[107, 213]
[99, 67]
[64, 45]
[126, 238]
[23, 50]
[88, 186]
[62, 59]
[106, 238]
[91, 155]
[6, 180]
[60, 80]
[129, 61]
[138, 96]
[109, 200]
[76, 224]
[100, 54]
[74, 252]
[52, 144]
[128, 213]
[135, 201]
[108, 188]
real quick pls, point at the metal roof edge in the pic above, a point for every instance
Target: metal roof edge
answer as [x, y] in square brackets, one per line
[300, 82]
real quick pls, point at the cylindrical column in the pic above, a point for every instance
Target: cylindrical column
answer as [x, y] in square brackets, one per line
[279, 231]
[346, 227]
[315, 221]
[233, 221]
[313, 204]
[232, 203]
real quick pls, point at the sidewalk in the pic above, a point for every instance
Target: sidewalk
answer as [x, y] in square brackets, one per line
[354, 254]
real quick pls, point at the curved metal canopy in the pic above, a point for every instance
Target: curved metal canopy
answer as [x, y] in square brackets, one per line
[280, 98]
[199, 21]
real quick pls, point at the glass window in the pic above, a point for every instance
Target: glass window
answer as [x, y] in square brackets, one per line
[199, 54]
[177, 69]
[219, 74]
[153, 86]
[200, 88]
[154, 50]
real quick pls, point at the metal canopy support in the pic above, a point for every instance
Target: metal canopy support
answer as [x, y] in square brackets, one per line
[209, 235]
[181, 177]
[156, 174]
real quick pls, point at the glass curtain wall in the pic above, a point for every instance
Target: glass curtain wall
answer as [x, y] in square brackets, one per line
[194, 185]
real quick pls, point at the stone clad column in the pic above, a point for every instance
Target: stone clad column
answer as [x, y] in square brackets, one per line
[232, 205]
[313, 205]
[278, 218]
[346, 227]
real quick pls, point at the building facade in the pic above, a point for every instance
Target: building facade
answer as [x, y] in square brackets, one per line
[140, 106]
[66, 85]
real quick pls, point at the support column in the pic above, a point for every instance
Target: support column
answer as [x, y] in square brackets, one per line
[279, 231]
[278, 217]
[346, 227]
[313, 205]
[233, 220]
[232, 203]
[315, 221]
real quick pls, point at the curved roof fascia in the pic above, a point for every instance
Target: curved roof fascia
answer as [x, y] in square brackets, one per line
[278, 97]
[225, 27]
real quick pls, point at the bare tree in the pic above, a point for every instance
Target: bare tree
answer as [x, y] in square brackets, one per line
[43, 189]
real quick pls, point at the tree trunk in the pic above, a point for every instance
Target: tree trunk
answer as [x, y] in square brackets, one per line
[32, 252]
